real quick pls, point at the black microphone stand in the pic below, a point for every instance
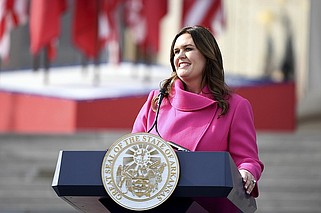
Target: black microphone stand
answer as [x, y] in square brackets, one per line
[161, 96]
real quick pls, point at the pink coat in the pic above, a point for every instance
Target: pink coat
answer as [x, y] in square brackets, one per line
[191, 120]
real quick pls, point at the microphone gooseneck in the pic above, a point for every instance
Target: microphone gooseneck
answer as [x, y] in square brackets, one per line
[161, 96]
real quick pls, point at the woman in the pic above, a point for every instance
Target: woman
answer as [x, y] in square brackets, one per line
[199, 111]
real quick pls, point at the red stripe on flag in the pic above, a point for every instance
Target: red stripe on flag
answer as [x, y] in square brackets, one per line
[144, 18]
[13, 13]
[85, 30]
[109, 31]
[208, 13]
[45, 24]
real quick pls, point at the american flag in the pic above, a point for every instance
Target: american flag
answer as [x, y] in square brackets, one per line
[208, 13]
[12, 14]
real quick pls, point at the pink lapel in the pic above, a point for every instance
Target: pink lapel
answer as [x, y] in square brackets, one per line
[185, 118]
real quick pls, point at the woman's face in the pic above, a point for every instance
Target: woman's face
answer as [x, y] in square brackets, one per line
[189, 61]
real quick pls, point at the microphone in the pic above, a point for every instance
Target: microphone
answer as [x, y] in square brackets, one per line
[161, 95]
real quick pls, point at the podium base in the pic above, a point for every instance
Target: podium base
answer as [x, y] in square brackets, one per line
[181, 205]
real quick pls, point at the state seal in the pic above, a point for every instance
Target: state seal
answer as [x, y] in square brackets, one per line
[140, 171]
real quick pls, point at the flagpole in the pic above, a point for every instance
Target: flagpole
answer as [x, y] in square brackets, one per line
[148, 58]
[96, 80]
[84, 65]
[35, 62]
[46, 65]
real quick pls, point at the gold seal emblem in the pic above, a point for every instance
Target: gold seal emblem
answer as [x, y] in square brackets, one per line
[140, 171]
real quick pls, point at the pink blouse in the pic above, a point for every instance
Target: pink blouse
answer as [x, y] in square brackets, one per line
[192, 121]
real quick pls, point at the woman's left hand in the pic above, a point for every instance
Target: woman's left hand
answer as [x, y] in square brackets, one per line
[248, 180]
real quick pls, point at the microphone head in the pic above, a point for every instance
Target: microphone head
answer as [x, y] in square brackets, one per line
[162, 91]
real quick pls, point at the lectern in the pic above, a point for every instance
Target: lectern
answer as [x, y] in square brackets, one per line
[209, 182]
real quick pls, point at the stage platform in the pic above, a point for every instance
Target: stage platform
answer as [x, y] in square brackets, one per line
[109, 97]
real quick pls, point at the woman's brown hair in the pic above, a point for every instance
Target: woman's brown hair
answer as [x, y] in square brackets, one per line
[213, 75]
